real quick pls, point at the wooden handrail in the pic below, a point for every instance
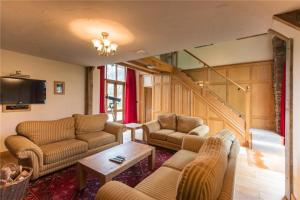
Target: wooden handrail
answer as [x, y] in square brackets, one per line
[207, 65]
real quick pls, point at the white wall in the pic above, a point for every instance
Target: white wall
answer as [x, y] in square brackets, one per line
[237, 51]
[295, 35]
[56, 106]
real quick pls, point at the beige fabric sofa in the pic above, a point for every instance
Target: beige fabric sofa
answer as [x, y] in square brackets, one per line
[203, 169]
[169, 129]
[48, 146]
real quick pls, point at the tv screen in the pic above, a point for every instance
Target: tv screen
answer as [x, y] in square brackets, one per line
[22, 91]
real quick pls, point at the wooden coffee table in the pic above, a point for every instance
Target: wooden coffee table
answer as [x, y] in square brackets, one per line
[99, 163]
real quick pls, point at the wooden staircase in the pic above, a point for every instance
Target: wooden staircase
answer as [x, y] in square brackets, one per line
[234, 120]
[231, 115]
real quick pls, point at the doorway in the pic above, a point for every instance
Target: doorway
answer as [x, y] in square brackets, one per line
[145, 98]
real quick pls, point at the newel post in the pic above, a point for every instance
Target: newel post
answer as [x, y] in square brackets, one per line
[248, 135]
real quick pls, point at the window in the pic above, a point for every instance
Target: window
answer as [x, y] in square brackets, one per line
[115, 87]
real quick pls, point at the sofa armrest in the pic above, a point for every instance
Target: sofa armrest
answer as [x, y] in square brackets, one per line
[151, 127]
[115, 190]
[116, 129]
[25, 150]
[192, 143]
[201, 130]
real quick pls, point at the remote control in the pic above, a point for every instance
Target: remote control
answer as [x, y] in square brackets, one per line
[121, 157]
[116, 160]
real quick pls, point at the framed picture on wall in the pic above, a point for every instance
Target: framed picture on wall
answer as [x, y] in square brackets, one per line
[59, 87]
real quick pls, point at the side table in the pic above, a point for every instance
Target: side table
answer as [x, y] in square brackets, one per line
[133, 127]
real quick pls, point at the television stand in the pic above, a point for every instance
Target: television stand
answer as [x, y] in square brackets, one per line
[16, 108]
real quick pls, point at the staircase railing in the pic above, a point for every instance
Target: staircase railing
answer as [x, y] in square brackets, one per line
[216, 82]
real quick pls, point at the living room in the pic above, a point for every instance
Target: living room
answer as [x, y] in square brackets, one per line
[124, 102]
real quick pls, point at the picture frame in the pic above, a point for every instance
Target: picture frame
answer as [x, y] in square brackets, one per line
[59, 87]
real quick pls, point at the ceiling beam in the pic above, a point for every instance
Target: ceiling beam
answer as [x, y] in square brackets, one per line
[156, 64]
[131, 65]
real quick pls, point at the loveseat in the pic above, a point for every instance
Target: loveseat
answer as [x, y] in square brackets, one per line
[48, 146]
[203, 169]
[169, 129]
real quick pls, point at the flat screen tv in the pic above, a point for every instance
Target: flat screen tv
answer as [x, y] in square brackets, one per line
[22, 91]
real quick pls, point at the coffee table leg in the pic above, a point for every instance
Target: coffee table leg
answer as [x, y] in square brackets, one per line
[81, 176]
[133, 134]
[103, 180]
[151, 160]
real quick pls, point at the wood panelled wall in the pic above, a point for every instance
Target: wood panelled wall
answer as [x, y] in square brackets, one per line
[172, 95]
[256, 75]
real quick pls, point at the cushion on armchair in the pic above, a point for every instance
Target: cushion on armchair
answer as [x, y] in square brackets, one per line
[203, 177]
[185, 124]
[89, 123]
[167, 121]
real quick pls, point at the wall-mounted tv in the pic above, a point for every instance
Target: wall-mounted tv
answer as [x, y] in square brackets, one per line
[22, 91]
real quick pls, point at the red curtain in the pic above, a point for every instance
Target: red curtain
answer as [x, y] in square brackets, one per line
[130, 97]
[282, 105]
[102, 89]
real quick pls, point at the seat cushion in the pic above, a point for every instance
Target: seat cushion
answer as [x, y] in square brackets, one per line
[90, 123]
[185, 123]
[97, 139]
[46, 132]
[167, 121]
[203, 177]
[176, 137]
[180, 159]
[160, 185]
[161, 134]
[58, 151]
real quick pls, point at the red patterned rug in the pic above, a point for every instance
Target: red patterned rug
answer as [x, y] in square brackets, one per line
[62, 185]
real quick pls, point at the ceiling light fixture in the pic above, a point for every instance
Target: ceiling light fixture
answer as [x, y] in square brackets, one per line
[104, 46]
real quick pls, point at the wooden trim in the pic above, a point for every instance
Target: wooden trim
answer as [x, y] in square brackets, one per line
[277, 18]
[89, 90]
[289, 120]
[137, 67]
[251, 36]
[281, 36]
[156, 63]
[141, 99]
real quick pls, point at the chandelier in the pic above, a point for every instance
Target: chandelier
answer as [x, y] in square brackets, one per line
[104, 46]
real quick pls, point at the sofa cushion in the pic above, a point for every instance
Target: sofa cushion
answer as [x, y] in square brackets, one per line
[176, 137]
[97, 139]
[90, 123]
[185, 124]
[45, 132]
[161, 134]
[58, 151]
[203, 177]
[167, 121]
[180, 159]
[160, 185]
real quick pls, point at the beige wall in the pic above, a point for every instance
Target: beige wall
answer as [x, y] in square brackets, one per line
[56, 106]
[295, 34]
[236, 51]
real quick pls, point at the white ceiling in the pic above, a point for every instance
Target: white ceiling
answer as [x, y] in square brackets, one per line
[63, 30]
